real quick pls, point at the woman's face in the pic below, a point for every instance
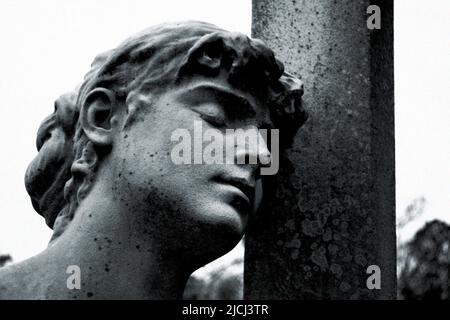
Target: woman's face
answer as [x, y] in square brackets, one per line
[196, 209]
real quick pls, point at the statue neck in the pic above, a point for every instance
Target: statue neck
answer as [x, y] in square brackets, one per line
[98, 257]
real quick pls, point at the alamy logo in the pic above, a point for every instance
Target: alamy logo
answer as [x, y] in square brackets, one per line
[239, 146]
[74, 280]
[374, 20]
[374, 280]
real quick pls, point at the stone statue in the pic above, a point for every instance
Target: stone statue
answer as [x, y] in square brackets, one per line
[128, 222]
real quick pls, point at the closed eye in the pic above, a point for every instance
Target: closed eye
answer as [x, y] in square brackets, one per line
[213, 120]
[211, 113]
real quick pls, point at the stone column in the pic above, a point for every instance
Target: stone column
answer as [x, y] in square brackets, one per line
[335, 210]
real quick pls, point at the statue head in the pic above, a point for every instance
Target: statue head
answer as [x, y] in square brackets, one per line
[112, 137]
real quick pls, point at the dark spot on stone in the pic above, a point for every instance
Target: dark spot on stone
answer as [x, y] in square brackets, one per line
[89, 294]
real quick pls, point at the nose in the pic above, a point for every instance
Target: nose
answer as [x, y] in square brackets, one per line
[264, 154]
[251, 147]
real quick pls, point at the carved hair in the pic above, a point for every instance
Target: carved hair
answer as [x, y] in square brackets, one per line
[164, 56]
[50, 170]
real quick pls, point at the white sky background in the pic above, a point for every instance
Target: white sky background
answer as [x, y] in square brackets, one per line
[47, 47]
[422, 110]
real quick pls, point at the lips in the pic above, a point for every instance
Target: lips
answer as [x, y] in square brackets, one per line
[243, 184]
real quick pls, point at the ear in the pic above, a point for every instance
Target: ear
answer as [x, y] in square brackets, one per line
[97, 116]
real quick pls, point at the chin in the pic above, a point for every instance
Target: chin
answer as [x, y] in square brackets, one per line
[221, 232]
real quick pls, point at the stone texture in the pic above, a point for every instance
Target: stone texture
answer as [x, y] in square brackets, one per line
[335, 212]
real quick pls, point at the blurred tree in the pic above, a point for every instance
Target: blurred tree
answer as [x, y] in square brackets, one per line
[414, 210]
[4, 258]
[425, 274]
[412, 213]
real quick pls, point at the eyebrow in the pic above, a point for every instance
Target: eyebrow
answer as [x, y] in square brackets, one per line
[228, 97]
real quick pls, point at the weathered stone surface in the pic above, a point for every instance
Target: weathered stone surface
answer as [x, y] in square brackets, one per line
[335, 213]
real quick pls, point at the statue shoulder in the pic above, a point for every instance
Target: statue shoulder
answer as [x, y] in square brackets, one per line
[15, 282]
[6, 282]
